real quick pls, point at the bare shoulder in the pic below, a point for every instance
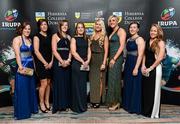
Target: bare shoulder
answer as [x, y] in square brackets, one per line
[17, 39]
[140, 40]
[161, 43]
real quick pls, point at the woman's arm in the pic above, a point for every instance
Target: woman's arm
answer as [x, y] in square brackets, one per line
[16, 46]
[106, 46]
[88, 54]
[160, 56]
[141, 46]
[73, 51]
[37, 53]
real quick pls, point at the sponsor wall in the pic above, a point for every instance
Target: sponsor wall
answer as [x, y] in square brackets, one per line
[164, 12]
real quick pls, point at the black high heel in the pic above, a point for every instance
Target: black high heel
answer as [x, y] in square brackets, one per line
[48, 108]
[43, 111]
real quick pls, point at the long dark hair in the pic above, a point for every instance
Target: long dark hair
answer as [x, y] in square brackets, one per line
[40, 21]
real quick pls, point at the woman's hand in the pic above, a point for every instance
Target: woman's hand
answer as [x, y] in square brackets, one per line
[143, 69]
[135, 72]
[111, 63]
[103, 66]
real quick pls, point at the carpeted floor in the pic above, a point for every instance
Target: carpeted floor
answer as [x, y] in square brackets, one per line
[169, 114]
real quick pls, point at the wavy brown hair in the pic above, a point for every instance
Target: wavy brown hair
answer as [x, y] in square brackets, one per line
[20, 28]
[160, 37]
[59, 28]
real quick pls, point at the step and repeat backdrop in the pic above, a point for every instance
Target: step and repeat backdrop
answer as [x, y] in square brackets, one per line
[164, 12]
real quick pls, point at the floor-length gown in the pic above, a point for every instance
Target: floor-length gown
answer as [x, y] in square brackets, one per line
[151, 86]
[25, 99]
[97, 77]
[114, 73]
[132, 84]
[79, 78]
[61, 78]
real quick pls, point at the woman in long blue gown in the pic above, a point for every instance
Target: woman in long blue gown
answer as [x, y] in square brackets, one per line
[61, 68]
[25, 99]
[132, 72]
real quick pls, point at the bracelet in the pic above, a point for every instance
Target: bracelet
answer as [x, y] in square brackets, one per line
[69, 59]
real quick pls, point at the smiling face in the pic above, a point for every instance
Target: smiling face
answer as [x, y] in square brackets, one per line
[133, 29]
[80, 29]
[26, 31]
[113, 22]
[64, 27]
[98, 26]
[153, 32]
[44, 26]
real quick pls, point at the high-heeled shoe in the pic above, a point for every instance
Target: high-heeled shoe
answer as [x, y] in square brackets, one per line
[43, 111]
[48, 108]
[114, 107]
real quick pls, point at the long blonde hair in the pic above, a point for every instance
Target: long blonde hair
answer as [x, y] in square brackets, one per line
[103, 31]
[160, 36]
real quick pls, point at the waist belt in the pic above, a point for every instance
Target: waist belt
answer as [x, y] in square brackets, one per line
[25, 54]
[62, 48]
[134, 53]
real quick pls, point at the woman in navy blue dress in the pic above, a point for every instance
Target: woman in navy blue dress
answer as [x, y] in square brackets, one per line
[25, 99]
[81, 57]
[132, 72]
[43, 60]
[61, 68]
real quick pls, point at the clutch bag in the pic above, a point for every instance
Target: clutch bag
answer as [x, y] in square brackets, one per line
[28, 71]
[83, 68]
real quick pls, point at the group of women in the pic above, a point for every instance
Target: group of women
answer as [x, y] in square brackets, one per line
[69, 63]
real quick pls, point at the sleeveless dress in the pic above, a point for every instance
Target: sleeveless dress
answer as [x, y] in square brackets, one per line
[114, 73]
[25, 99]
[132, 84]
[61, 78]
[96, 75]
[151, 86]
[79, 78]
[46, 52]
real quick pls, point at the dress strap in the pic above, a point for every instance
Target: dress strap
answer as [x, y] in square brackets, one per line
[22, 40]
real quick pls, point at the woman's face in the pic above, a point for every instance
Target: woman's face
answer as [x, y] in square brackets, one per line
[44, 26]
[80, 29]
[64, 27]
[153, 32]
[133, 29]
[26, 31]
[98, 26]
[113, 22]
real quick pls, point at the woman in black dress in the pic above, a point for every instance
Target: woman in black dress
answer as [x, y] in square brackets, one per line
[43, 61]
[61, 68]
[152, 71]
[81, 52]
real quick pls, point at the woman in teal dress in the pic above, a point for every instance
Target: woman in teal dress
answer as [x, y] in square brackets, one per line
[116, 45]
[97, 76]
[25, 99]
